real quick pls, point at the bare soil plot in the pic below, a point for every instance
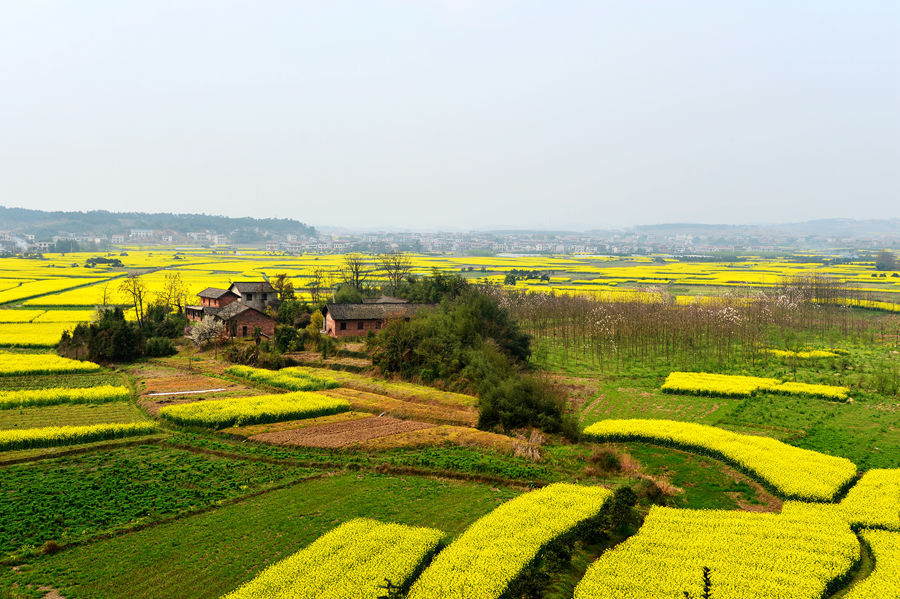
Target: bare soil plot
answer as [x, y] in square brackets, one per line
[342, 434]
[440, 435]
[181, 387]
[274, 427]
[428, 411]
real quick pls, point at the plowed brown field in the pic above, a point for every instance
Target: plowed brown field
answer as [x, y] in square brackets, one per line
[341, 434]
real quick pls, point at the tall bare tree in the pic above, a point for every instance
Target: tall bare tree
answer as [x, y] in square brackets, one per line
[356, 270]
[396, 266]
[174, 293]
[133, 287]
[105, 295]
[318, 282]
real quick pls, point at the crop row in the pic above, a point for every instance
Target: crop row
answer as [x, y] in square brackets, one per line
[292, 381]
[395, 389]
[22, 364]
[220, 413]
[804, 355]
[791, 471]
[492, 553]
[874, 501]
[60, 395]
[33, 334]
[350, 562]
[726, 385]
[800, 554]
[884, 581]
[52, 436]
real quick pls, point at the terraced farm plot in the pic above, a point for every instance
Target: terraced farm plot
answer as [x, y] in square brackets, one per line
[21, 364]
[342, 434]
[49, 381]
[393, 389]
[222, 413]
[70, 414]
[350, 562]
[74, 498]
[485, 560]
[288, 425]
[208, 555]
[794, 472]
[795, 555]
[443, 434]
[405, 408]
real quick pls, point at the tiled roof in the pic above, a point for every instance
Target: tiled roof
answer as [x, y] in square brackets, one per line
[243, 287]
[373, 311]
[213, 292]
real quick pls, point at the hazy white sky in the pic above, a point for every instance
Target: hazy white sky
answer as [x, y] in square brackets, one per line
[454, 114]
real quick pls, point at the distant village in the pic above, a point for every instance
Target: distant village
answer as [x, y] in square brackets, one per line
[678, 240]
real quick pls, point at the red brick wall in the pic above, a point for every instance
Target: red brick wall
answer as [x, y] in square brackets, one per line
[251, 319]
[333, 327]
[218, 303]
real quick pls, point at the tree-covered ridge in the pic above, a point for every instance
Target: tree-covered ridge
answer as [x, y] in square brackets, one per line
[104, 222]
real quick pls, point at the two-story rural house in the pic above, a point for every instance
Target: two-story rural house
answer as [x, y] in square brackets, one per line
[241, 307]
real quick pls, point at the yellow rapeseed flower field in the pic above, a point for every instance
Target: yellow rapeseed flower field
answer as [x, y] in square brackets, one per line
[285, 379]
[350, 562]
[884, 581]
[726, 385]
[791, 471]
[490, 554]
[794, 555]
[874, 501]
[23, 364]
[47, 397]
[53, 436]
[219, 413]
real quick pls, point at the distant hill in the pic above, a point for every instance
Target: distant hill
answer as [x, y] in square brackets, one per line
[103, 222]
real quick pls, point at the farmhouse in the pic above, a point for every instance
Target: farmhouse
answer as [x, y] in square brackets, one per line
[241, 307]
[345, 320]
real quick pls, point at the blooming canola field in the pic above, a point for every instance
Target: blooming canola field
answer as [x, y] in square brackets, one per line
[41, 298]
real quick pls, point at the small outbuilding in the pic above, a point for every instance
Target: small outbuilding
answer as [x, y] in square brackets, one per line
[346, 320]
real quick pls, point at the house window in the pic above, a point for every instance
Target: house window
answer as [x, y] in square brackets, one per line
[265, 296]
[249, 297]
[343, 326]
[359, 325]
[244, 331]
[377, 324]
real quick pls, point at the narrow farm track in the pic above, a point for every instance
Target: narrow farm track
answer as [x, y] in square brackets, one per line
[863, 570]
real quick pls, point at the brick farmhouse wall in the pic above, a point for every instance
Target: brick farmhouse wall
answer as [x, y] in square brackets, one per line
[247, 321]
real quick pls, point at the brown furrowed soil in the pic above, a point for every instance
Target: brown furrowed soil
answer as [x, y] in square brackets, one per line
[419, 410]
[439, 435]
[274, 427]
[342, 434]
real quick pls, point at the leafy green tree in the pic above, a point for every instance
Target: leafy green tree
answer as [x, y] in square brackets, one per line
[885, 260]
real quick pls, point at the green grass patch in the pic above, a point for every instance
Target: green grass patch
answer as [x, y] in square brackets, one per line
[211, 554]
[70, 415]
[73, 498]
[49, 381]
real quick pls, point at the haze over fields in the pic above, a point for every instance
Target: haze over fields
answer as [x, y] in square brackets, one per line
[454, 115]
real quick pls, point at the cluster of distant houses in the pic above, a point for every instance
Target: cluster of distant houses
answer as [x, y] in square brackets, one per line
[245, 306]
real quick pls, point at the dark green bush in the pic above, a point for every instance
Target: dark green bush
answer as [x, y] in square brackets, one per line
[158, 347]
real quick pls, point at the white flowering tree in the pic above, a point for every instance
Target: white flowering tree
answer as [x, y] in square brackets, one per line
[206, 331]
